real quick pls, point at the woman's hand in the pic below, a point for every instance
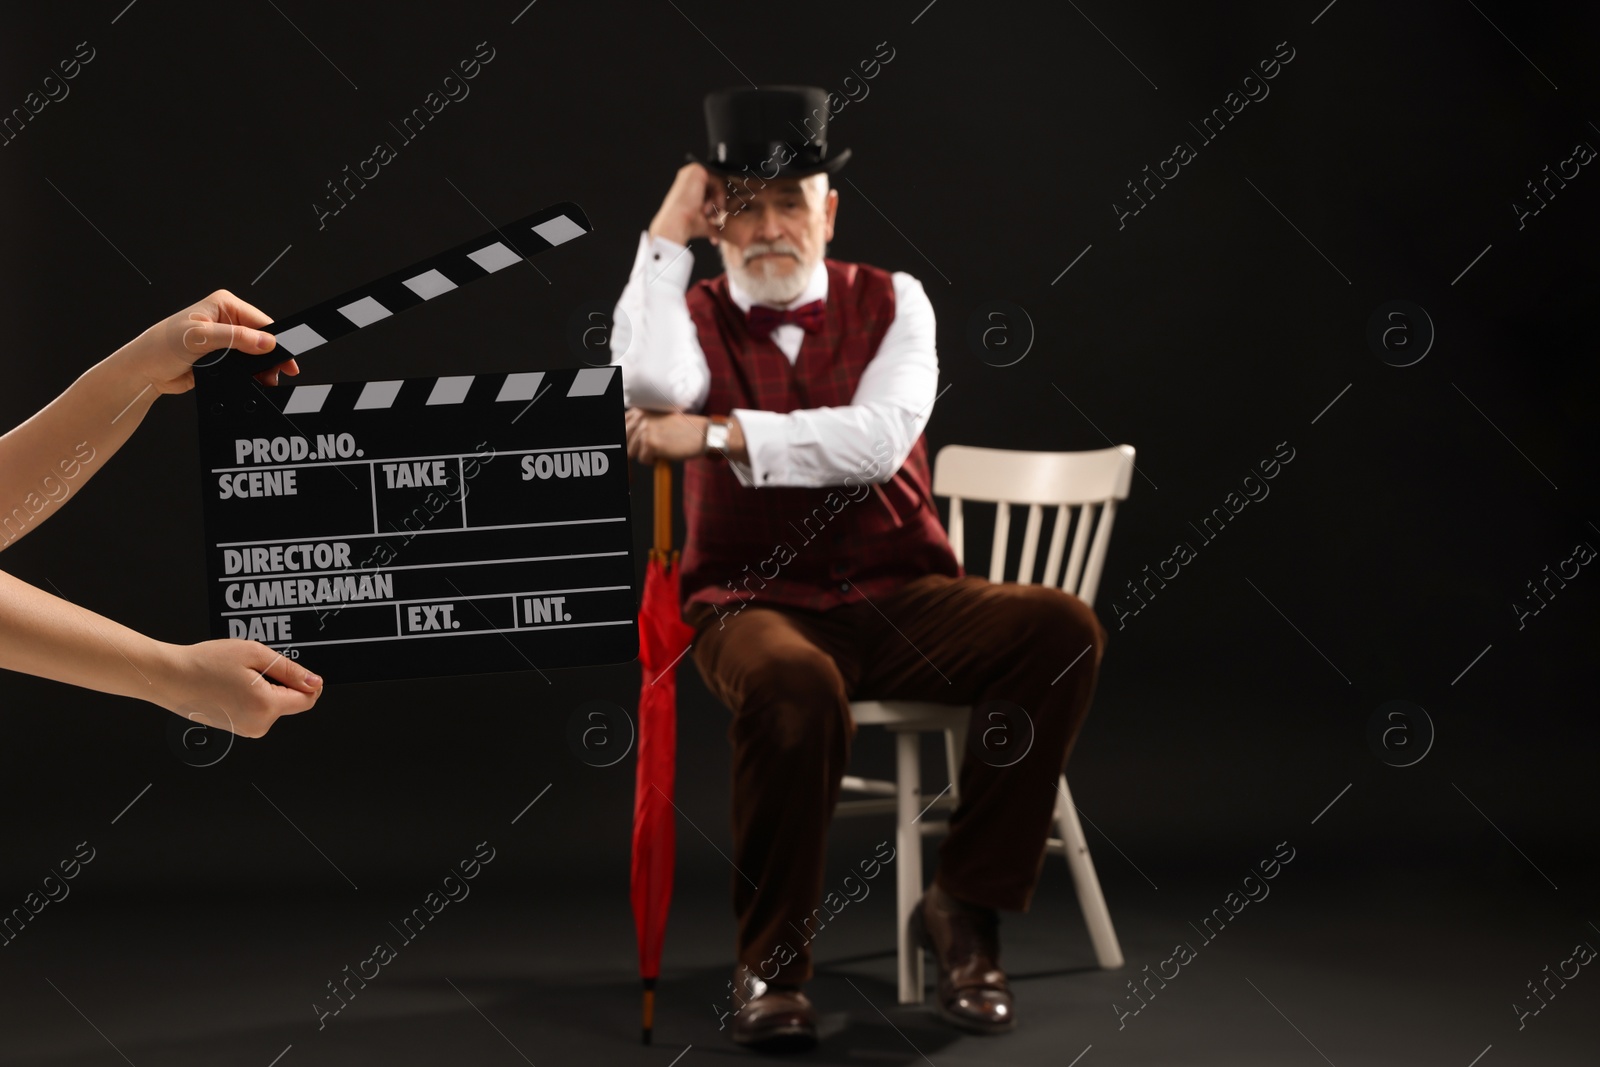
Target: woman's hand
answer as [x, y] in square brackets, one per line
[229, 684]
[165, 354]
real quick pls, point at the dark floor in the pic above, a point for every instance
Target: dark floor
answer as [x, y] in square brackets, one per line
[1396, 965]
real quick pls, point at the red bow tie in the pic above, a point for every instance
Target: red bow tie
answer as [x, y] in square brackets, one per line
[809, 317]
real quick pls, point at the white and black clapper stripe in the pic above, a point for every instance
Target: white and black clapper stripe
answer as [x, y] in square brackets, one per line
[419, 527]
[503, 247]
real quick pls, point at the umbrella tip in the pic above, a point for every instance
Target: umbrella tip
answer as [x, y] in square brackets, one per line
[648, 1011]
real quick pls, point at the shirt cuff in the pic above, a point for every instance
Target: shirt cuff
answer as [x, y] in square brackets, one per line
[664, 261]
[765, 440]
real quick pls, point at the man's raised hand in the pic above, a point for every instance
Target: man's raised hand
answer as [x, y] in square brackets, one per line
[694, 207]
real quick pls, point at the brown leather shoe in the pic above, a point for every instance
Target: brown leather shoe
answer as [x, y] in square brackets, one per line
[773, 1019]
[965, 943]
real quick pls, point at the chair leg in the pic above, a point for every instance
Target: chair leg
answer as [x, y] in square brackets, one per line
[1095, 913]
[908, 861]
[955, 741]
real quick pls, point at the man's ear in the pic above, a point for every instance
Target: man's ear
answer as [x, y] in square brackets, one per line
[832, 209]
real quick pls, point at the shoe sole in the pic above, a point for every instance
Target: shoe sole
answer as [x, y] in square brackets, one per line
[923, 943]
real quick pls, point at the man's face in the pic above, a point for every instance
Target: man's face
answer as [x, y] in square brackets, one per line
[774, 233]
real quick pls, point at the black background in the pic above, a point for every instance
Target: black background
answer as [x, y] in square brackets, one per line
[991, 147]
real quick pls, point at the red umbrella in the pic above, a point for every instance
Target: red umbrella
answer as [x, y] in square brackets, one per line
[663, 638]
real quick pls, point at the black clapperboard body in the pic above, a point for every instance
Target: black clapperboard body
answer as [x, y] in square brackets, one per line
[419, 527]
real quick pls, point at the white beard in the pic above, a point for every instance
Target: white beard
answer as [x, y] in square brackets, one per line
[764, 287]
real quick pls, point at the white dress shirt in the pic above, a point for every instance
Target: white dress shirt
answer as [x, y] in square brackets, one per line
[664, 368]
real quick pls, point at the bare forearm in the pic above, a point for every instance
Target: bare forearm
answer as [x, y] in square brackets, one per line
[44, 635]
[51, 455]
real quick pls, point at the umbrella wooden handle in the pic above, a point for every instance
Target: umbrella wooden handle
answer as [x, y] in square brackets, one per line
[663, 494]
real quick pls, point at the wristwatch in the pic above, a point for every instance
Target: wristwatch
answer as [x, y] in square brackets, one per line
[717, 433]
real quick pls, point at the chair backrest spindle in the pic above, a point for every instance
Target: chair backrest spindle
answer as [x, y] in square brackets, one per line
[1058, 541]
[1030, 544]
[1080, 546]
[958, 538]
[1002, 537]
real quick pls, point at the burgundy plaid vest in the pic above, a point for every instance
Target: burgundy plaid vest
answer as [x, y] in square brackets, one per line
[809, 548]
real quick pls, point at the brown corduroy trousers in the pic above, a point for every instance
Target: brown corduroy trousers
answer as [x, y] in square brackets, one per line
[788, 675]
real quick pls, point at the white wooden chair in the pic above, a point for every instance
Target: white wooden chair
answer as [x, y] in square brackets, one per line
[1081, 486]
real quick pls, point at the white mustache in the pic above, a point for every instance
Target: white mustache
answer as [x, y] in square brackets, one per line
[759, 248]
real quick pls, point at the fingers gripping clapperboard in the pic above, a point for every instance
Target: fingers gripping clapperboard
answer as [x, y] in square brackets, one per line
[420, 527]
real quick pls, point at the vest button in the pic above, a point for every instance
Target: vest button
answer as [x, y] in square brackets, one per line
[844, 587]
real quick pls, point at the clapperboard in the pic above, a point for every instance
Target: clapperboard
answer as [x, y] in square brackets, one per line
[419, 527]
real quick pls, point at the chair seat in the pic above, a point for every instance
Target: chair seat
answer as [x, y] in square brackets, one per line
[909, 714]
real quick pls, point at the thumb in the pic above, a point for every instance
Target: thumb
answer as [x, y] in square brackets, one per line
[200, 337]
[276, 666]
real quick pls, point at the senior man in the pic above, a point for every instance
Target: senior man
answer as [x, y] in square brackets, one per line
[816, 571]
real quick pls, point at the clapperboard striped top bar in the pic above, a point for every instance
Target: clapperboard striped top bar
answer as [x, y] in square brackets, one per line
[406, 288]
[520, 386]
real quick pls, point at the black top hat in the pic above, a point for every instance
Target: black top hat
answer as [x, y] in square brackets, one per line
[777, 132]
